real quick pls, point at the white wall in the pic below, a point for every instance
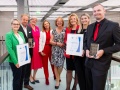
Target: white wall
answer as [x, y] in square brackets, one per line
[5, 22]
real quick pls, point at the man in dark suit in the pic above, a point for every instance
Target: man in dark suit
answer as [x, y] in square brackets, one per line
[27, 31]
[107, 34]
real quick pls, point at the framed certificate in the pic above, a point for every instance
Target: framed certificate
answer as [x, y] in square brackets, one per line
[23, 54]
[74, 44]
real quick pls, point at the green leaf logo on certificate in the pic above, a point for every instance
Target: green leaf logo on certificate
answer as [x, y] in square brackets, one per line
[23, 54]
[74, 44]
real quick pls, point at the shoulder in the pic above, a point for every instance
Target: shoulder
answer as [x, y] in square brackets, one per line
[112, 22]
[9, 33]
[29, 27]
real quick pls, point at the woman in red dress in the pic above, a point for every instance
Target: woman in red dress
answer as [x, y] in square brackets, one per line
[45, 49]
[36, 61]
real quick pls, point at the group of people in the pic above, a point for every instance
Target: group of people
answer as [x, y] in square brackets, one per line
[50, 44]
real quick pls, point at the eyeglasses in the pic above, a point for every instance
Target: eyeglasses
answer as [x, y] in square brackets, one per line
[15, 24]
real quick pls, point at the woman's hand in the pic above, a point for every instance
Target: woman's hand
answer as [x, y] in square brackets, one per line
[17, 65]
[43, 54]
[60, 44]
[83, 53]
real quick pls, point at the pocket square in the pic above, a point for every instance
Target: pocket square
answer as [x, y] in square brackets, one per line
[29, 32]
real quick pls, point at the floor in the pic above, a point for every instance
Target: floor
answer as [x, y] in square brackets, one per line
[43, 86]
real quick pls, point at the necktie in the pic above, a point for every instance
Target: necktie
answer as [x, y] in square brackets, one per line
[96, 31]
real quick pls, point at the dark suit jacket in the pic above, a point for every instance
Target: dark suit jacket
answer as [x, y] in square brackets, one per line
[29, 35]
[108, 40]
[29, 32]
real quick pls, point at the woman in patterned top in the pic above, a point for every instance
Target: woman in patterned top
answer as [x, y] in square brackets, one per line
[57, 42]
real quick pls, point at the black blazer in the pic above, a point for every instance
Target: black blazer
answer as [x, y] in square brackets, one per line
[108, 40]
[29, 35]
[29, 32]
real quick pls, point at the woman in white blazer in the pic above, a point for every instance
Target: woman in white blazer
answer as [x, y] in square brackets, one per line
[45, 49]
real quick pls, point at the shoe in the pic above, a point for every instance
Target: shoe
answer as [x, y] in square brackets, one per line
[74, 88]
[28, 87]
[32, 82]
[37, 81]
[56, 87]
[47, 82]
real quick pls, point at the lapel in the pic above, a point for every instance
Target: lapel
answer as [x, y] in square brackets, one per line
[28, 31]
[15, 37]
[91, 31]
[102, 29]
[21, 29]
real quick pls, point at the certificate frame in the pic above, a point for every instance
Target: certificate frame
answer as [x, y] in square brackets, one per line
[74, 45]
[23, 54]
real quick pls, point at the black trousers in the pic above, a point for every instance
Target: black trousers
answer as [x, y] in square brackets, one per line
[27, 68]
[79, 63]
[95, 82]
[18, 75]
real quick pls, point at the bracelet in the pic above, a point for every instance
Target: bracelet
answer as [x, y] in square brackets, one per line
[56, 43]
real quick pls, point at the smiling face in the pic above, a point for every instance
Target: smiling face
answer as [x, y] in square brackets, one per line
[84, 20]
[59, 22]
[24, 20]
[15, 25]
[33, 21]
[99, 12]
[46, 25]
[73, 20]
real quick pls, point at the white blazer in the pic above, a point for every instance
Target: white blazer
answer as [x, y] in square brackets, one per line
[42, 40]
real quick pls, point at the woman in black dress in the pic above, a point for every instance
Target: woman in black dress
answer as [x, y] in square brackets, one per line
[80, 61]
[73, 27]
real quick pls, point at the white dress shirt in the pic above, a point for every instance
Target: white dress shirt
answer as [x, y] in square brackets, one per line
[25, 29]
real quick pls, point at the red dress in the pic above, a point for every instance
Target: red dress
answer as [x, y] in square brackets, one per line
[36, 61]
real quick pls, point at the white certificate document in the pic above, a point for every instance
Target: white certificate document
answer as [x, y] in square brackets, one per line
[74, 44]
[23, 54]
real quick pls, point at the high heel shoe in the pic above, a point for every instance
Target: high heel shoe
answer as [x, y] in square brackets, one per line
[56, 87]
[32, 82]
[47, 82]
[74, 88]
[37, 81]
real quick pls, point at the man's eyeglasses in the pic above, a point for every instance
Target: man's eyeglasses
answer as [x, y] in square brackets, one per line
[15, 24]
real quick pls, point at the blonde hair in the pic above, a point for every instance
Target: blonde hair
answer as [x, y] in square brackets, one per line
[14, 19]
[25, 15]
[85, 14]
[61, 19]
[78, 22]
[43, 28]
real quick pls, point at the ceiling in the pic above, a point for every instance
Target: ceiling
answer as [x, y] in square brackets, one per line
[50, 9]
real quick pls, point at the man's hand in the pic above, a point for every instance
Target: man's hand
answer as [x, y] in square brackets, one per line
[33, 44]
[99, 54]
[88, 54]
